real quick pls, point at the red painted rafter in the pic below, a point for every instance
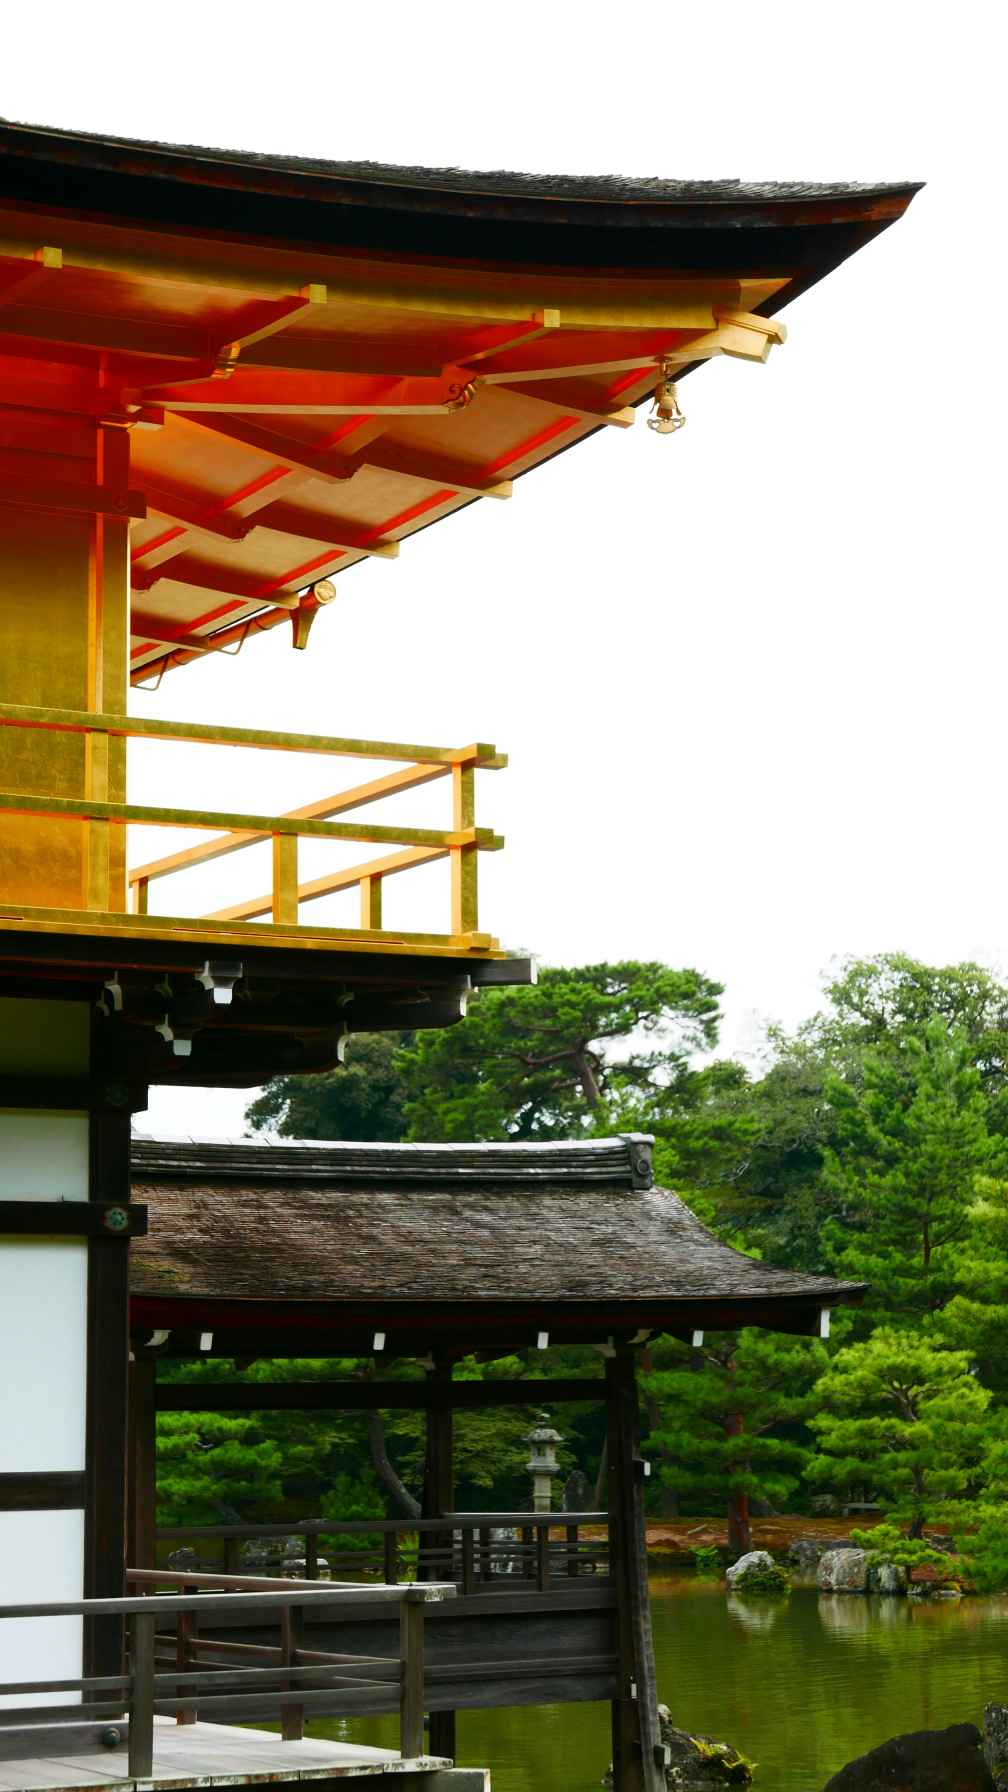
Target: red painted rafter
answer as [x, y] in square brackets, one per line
[270, 618]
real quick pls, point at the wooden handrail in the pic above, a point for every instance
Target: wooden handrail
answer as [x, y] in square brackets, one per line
[316, 1527]
[289, 1683]
[74, 721]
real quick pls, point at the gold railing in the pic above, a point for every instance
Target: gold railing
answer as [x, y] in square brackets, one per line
[411, 846]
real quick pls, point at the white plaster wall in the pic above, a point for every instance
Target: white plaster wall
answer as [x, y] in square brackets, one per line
[43, 1157]
[41, 1558]
[43, 1354]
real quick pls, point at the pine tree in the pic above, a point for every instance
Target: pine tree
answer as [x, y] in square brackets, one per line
[910, 1142]
[903, 1419]
[720, 1413]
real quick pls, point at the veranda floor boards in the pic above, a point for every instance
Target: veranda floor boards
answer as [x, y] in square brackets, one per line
[201, 1755]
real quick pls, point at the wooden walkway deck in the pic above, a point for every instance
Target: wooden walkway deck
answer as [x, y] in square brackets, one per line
[201, 1754]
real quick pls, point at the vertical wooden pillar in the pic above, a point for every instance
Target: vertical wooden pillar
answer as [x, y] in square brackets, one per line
[142, 1476]
[439, 1497]
[107, 1392]
[638, 1754]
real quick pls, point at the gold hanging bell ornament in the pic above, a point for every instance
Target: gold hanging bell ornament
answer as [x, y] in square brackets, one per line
[665, 413]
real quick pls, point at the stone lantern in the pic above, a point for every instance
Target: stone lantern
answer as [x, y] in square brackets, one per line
[542, 1464]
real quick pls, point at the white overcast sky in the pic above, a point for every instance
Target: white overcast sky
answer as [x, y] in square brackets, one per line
[751, 677]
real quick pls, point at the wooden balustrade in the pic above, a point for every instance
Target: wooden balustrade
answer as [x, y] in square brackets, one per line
[460, 842]
[178, 1673]
[559, 1544]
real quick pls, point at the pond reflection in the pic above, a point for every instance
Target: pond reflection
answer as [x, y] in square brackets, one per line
[801, 1685]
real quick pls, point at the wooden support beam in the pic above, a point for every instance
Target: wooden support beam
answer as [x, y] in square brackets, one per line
[75, 496]
[107, 1391]
[367, 1396]
[463, 477]
[638, 1753]
[73, 1219]
[196, 511]
[227, 582]
[553, 398]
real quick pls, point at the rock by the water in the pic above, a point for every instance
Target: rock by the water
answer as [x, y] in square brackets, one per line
[995, 1744]
[804, 1553]
[697, 1763]
[886, 1577]
[926, 1761]
[756, 1572]
[843, 1571]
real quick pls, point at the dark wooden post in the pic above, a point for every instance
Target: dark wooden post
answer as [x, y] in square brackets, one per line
[291, 1640]
[411, 1697]
[638, 1752]
[439, 1497]
[141, 1727]
[186, 1656]
[142, 1505]
[107, 1391]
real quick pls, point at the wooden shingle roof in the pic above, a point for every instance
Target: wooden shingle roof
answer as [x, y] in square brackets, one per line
[363, 1230]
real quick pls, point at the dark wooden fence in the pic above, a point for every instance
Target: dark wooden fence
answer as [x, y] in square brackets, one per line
[467, 1548]
[172, 1671]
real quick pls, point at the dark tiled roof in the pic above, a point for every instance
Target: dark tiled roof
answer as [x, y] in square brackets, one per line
[794, 230]
[362, 1223]
[503, 182]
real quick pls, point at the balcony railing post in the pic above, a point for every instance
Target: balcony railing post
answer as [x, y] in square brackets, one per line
[141, 1728]
[311, 1556]
[371, 901]
[291, 1640]
[411, 1655]
[464, 859]
[285, 879]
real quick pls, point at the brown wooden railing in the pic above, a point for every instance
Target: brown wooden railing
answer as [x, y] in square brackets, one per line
[465, 1548]
[173, 1672]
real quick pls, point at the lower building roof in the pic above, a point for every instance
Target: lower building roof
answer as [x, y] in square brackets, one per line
[301, 1238]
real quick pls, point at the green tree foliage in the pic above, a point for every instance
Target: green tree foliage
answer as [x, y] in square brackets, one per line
[774, 1188]
[727, 1417]
[364, 1099]
[910, 1142]
[903, 1419]
[558, 1060]
[212, 1464]
[976, 1318]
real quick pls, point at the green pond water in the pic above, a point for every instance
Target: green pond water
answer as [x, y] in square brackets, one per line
[801, 1686]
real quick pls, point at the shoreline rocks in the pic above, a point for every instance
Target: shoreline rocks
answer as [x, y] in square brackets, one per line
[843, 1571]
[949, 1760]
[757, 1572]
